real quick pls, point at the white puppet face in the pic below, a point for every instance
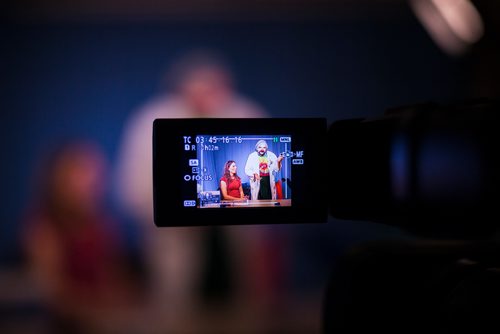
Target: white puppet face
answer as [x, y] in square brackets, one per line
[262, 149]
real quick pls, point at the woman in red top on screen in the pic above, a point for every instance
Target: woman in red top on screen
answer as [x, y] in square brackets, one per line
[230, 183]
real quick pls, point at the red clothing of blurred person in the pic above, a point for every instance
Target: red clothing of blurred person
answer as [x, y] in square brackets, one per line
[79, 262]
[73, 248]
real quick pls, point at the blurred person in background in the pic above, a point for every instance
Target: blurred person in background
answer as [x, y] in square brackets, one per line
[73, 246]
[198, 84]
[188, 265]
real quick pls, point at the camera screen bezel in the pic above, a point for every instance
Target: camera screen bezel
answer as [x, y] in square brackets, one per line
[309, 201]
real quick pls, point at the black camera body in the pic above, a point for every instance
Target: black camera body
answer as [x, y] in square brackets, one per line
[432, 171]
[428, 168]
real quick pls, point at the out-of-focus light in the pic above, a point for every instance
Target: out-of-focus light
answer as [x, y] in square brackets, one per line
[454, 25]
[462, 17]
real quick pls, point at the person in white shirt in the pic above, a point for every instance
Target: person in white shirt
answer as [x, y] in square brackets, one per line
[200, 85]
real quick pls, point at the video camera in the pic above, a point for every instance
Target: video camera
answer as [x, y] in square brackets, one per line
[428, 168]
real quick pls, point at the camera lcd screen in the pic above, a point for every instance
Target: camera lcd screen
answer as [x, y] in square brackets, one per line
[239, 171]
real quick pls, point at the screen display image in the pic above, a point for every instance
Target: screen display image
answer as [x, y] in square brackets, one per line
[238, 171]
